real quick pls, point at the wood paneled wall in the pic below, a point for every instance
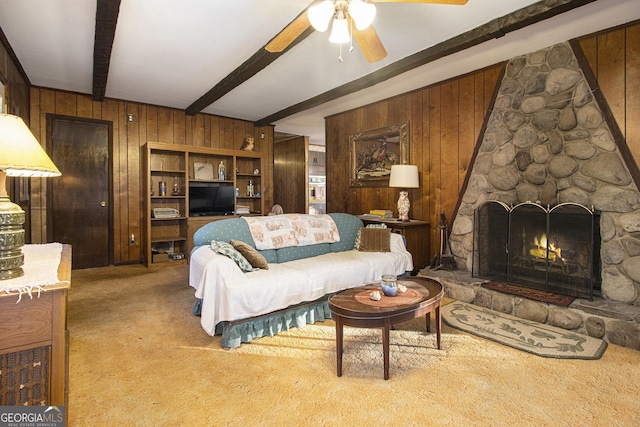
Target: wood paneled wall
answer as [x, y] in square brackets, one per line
[445, 121]
[614, 57]
[150, 123]
[17, 87]
[444, 124]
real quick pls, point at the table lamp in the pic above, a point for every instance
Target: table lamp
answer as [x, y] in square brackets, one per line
[404, 176]
[20, 155]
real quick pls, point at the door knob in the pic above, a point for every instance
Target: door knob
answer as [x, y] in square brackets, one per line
[103, 203]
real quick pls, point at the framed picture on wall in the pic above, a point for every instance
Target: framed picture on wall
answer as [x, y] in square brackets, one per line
[373, 152]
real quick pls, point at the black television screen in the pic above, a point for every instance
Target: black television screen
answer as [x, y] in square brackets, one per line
[210, 199]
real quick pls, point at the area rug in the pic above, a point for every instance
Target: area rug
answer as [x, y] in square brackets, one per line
[411, 347]
[532, 337]
[534, 294]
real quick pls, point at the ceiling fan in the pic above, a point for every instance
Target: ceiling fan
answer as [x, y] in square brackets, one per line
[344, 14]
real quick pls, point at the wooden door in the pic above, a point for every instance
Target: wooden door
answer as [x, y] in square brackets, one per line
[80, 200]
[290, 174]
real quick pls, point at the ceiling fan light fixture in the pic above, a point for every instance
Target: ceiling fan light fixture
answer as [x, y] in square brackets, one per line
[320, 15]
[340, 30]
[362, 13]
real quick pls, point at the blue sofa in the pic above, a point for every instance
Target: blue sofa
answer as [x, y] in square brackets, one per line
[213, 276]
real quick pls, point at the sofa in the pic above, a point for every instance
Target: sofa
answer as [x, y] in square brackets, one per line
[241, 302]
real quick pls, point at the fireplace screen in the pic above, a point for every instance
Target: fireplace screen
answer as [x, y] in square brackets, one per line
[555, 250]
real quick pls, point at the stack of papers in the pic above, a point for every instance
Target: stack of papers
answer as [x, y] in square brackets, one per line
[242, 209]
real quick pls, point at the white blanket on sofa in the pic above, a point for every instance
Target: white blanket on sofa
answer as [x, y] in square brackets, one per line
[228, 294]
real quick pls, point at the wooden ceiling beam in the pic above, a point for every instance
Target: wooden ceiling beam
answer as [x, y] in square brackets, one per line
[492, 30]
[106, 19]
[257, 62]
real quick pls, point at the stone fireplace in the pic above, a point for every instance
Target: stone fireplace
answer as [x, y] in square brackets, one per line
[550, 141]
[550, 249]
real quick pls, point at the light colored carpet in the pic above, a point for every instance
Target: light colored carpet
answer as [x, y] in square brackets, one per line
[533, 337]
[138, 357]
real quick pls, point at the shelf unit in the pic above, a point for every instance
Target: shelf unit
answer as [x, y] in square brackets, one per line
[248, 172]
[182, 167]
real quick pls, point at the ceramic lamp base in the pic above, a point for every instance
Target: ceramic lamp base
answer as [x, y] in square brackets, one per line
[403, 206]
[11, 239]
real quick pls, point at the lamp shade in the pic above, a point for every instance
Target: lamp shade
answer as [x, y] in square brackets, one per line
[320, 15]
[340, 31]
[22, 154]
[362, 13]
[404, 176]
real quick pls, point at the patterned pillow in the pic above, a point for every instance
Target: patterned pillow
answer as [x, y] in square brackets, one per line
[253, 256]
[226, 249]
[356, 244]
[375, 240]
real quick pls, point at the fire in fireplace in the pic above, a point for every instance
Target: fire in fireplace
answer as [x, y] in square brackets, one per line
[552, 249]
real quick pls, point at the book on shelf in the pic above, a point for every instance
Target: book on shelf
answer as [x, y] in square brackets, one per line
[381, 213]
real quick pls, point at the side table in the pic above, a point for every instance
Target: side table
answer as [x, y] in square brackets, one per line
[416, 233]
[35, 329]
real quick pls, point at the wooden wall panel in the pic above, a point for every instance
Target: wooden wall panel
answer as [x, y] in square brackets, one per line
[150, 123]
[611, 72]
[84, 107]
[450, 143]
[417, 149]
[614, 58]
[466, 125]
[632, 91]
[434, 167]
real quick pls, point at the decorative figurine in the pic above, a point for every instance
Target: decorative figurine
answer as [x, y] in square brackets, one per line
[247, 144]
[221, 174]
[176, 187]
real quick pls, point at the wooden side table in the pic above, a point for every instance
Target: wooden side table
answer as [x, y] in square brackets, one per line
[415, 232]
[33, 334]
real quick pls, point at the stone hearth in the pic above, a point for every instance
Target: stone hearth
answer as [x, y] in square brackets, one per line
[614, 322]
[549, 139]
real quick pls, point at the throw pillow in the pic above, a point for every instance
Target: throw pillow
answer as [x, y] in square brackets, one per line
[356, 243]
[253, 256]
[226, 249]
[375, 240]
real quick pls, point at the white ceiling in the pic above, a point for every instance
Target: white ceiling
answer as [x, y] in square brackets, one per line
[171, 52]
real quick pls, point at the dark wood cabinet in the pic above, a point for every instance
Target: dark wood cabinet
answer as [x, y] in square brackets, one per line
[416, 234]
[34, 342]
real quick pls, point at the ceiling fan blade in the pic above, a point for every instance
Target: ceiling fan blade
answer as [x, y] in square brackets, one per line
[451, 2]
[370, 44]
[290, 33]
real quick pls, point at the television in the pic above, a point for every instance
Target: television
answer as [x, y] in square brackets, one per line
[211, 199]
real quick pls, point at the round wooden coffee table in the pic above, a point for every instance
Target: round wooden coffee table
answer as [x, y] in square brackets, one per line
[353, 307]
